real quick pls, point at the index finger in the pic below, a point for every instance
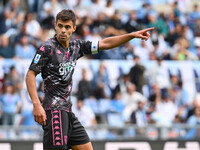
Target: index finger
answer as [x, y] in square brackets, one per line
[148, 29]
[44, 118]
[44, 123]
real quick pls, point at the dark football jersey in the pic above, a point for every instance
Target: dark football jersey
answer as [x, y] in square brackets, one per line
[56, 65]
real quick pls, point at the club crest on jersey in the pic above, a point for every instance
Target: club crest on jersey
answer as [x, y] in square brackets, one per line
[37, 58]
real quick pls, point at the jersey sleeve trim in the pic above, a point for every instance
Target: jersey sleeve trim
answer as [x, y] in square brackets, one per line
[95, 47]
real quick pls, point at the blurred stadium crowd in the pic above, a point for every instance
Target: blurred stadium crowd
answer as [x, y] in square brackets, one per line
[24, 25]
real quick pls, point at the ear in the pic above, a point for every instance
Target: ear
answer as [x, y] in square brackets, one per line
[74, 29]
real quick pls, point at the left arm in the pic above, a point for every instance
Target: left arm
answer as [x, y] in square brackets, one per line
[115, 41]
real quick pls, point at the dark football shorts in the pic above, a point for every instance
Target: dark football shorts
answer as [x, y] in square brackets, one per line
[63, 130]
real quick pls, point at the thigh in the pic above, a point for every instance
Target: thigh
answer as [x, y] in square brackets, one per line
[78, 134]
[87, 146]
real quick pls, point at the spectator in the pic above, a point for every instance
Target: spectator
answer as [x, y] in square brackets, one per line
[9, 104]
[52, 7]
[84, 86]
[100, 25]
[176, 9]
[117, 104]
[181, 50]
[174, 79]
[101, 82]
[188, 34]
[164, 107]
[71, 4]
[171, 22]
[15, 14]
[196, 28]
[79, 8]
[48, 13]
[196, 48]
[195, 13]
[66, 4]
[149, 113]
[195, 104]
[139, 116]
[24, 50]
[109, 9]
[95, 9]
[6, 47]
[143, 51]
[193, 121]
[132, 23]
[3, 23]
[115, 25]
[158, 74]
[32, 26]
[174, 34]
[127, 51]
[182, 98]
[143, 12]
[131, 98]
[15, 78]
[123, 82]
[159, 46]
[35, 6]
[152, 56]
[26, 116]
[84, 114]
[177, 129]
[155, 94]
[31, 39]
[158, 23]
[137, 74]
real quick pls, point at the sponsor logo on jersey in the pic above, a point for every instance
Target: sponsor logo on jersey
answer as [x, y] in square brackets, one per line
[65, 67]
[37, 58]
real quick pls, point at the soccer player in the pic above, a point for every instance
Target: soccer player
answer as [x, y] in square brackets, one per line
[56, 60]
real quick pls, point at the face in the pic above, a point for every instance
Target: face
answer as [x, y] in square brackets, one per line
[64, 30]
[9, 89]
[24, 40]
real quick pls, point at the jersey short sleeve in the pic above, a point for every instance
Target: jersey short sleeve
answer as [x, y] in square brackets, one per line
[88, 47]
[40, 59]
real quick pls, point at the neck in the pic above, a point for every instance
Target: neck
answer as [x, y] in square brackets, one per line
[63, 43]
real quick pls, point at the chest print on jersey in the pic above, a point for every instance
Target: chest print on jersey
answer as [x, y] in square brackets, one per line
[67, 55]
[66, 67]
[58, 51]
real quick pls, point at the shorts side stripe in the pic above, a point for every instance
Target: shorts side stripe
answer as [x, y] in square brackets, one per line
[61, 132]
[56, 128]
[52, 127]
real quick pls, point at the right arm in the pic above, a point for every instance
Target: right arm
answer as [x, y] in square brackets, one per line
[38, 111]
[115, 41]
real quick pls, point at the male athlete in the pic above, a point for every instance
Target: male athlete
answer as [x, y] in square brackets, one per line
[56, 60]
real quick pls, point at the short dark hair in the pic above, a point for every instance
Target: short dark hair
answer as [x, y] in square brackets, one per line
[65, 15]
